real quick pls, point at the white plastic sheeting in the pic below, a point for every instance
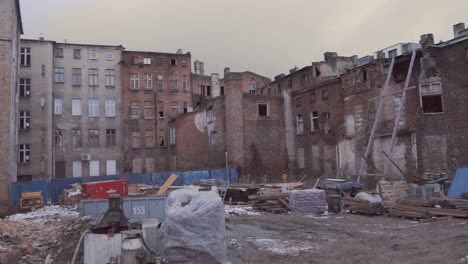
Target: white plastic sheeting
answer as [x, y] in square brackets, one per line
[194, 227]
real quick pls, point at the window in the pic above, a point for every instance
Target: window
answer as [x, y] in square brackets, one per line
[202, 90]
[111, 167]
[298, 101]
[208, 90]
[93, 107]
[312, 97]
[25, 119]
[136, 139]
[57, 106]
[77, 168]
[392, 53]
[149, 142]
[325, 94]
[110, 137]
[174, 108]
[160, 82]
[148, 81]
[213, 138]
[25, 56]
[184, 83]
[184, 63]
[76, 107]
[43, 70]
[185, 107]
[161, 109]
[93, 55]
[134, 81]
[59, 52]
[173, 83]
[109, 56]
[431, 98]
[93, 138]
[76, 138]
[135, 60]
[209, 116]
[25, 87]
[94, 168]
[252, 88]
[93, 77]
[76, 76]
[148, 111]
[313, 121]
[326, 123]
[173, 63]
[76, 54]
[110, 107]
[58, 138]
[364, 75]
[162, 142]
[135, 110]
[222, 90]
[24, 153]
[172, 135]
[262, 109]
[110, 78]
[59, 75]
[147, 61]
[137, 166]
[300, 124]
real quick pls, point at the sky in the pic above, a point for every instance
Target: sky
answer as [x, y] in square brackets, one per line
[268, 37]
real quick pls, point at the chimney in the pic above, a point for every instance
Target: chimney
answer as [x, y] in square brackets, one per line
[426, 40]
[227, 70]
[41, 38]
[180, 51]
[457, 28]
[330, 55]
[293, 70]
[199, 67]
[380, 54]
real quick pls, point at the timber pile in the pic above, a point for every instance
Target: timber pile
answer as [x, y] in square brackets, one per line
[419, 202]
[405, 211]
[361, 206]
[272, 202]
[461, 204]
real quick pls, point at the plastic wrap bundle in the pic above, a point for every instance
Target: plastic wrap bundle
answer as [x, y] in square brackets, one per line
[194, 229]
[311, 201]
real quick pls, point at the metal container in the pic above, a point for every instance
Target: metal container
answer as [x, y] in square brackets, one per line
[102, 248]
[150, 207]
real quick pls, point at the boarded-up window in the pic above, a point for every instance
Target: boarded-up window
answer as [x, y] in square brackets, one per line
[136, 166]
[149, 110]
[149, 164]
[316, 158]
[136, 140]
[300, 158]
[149, 138]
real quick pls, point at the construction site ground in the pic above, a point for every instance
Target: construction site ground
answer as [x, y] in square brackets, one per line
[344, 238]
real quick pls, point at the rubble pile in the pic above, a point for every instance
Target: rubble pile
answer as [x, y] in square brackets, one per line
[47, 241]
[46, 213]
[73, 196]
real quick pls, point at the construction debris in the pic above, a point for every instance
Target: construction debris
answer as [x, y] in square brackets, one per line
[47, 213]
[311, 201]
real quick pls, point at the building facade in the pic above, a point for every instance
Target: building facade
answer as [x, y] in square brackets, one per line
[156, 88]
[10, 31]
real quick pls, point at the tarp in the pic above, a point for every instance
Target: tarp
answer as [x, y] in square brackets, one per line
[459, 183]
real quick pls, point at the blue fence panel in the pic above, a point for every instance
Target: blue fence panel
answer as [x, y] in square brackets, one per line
[233, 175]
[34, 186]
[189, 177]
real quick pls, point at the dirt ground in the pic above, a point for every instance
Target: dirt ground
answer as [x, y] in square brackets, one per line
[344, 238]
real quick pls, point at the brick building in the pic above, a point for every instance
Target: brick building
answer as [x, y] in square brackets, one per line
[156, 87]
[10, 31]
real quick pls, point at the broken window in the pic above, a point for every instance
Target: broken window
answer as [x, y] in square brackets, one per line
[25, 56]
[324, 94]
[222, 90]
[431, 98]
[161, 109]
[58, 138]
[317, 72]
[110, 137]
[93, 138]
[185, 107]
[148, 81]
[148, 111]
[76, 138]
[252, 88]
[312, 97]
[364, 75]
[24, 119]
[202, 90]
[136, 141]
[173, 63]
[24, 153]
[326, 123]
[298, 101]
[313, 121]
[134, 81]
[161, 141]
[208, 90]
[135, 110]
[25, 87]
[300, 124]
[149, 142]
[262, 109]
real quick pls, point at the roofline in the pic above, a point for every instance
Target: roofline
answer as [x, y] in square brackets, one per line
[399, 43]
[18, 14]
[291, 74]
[321, 84]
[157, 52]
[37, 40]
[90, 45]
[450, 42]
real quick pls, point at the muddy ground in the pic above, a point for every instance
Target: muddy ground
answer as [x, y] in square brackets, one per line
[344, 238]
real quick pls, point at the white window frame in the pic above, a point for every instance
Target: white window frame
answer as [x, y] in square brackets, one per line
[59, 75]
[134, 81]
[172, 135]
[252, 88]
[25, 56]
[109, 56]
[160, 83]
[313, 118]
[93, 107]
[24, 153]
[25, 87]
[76, 77]
[76, 107]
[93, 55]
[148, 81]
[25, 120]
[147, 61]
[58, 110]
[110, 78]
[110, 107]
[300, 124]
[93, 77]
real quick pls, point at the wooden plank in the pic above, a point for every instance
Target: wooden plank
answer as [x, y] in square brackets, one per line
[167, 184]
[284, 203]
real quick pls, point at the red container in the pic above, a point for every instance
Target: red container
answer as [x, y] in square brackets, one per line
[102, 189]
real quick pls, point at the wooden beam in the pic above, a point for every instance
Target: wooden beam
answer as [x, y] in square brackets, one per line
[167, 184]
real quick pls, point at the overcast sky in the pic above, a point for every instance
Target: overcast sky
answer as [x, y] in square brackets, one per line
[268, 37]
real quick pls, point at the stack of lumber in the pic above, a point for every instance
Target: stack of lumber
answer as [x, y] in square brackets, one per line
[412, 207]
[272, 202]
[361, 206]
[461, 204]
[310, 201]
[413, 212]
[392, 191]
[414, 201]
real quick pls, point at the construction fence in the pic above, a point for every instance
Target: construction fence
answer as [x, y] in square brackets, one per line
[51, 189]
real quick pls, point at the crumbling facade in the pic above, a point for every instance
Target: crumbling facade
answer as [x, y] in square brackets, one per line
[11, 57]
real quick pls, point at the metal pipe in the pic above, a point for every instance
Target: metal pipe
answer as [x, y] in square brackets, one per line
[78, 245]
